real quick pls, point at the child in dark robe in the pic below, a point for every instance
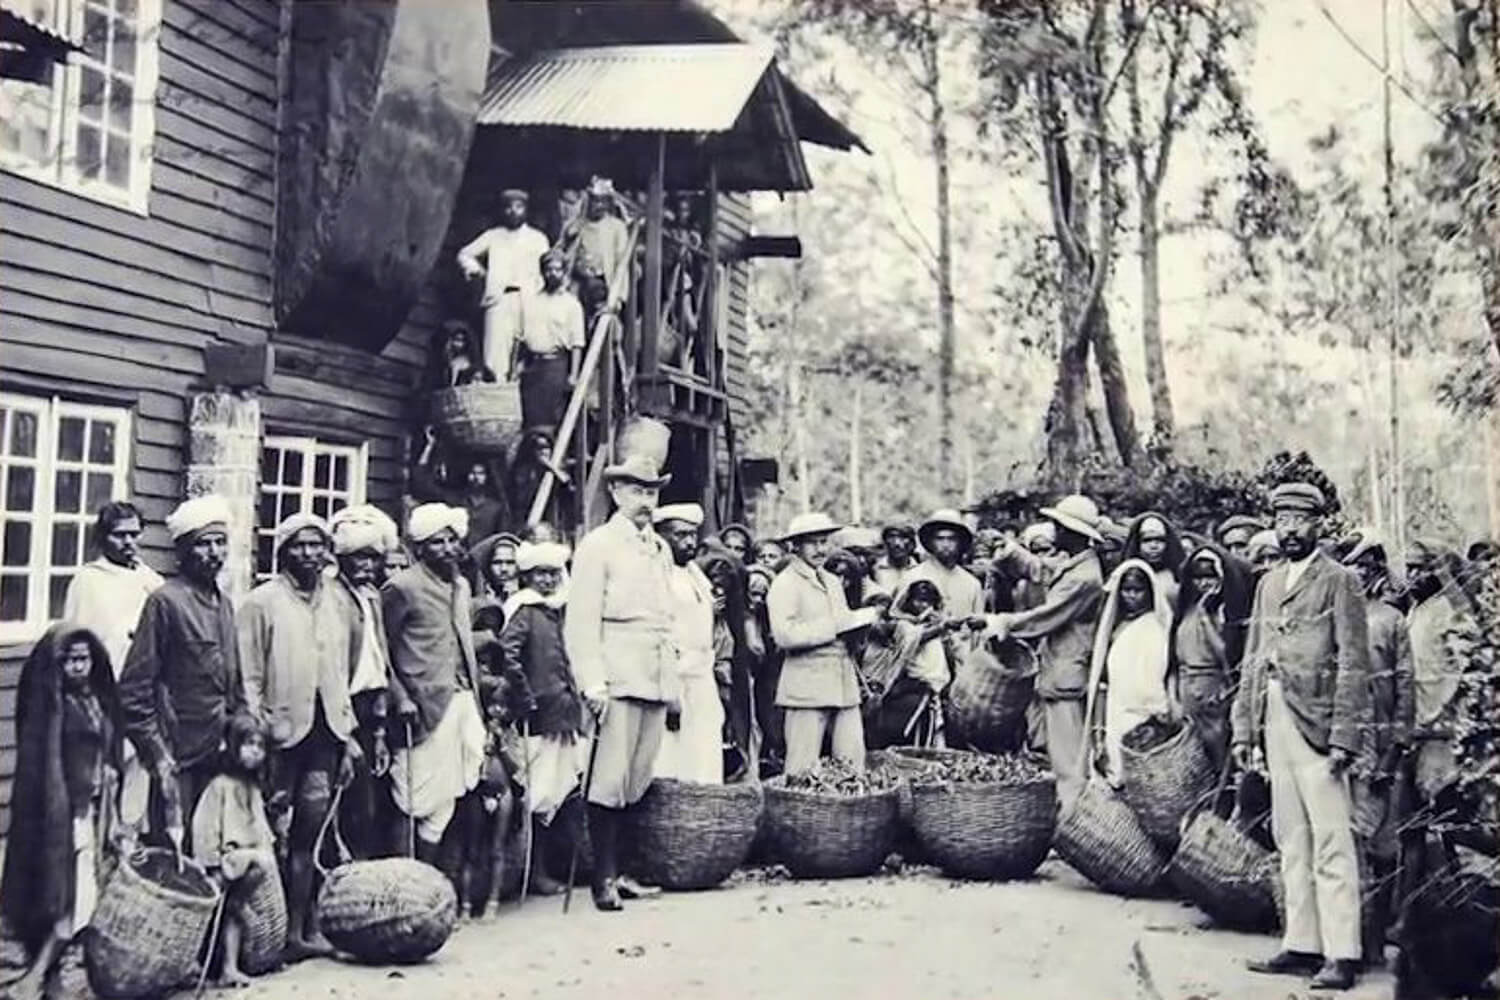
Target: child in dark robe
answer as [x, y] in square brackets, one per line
[65, 799]
[232, 837]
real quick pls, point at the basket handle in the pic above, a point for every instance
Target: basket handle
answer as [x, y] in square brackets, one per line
[331, 821]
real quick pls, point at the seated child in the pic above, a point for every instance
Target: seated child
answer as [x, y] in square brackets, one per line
[232, 837]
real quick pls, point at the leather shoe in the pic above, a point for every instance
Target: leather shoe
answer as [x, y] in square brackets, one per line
[1288, 963]
[631, 889]
[606, 898]
[1336, 974]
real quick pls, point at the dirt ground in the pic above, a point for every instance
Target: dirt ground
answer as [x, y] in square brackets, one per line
[916, 936]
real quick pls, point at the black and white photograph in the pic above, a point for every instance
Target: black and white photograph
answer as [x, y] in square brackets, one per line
[750, 499]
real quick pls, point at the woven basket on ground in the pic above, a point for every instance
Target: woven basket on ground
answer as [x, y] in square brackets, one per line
[1452, 922]
[986, 830]
[1222, 870]
[985, 706]
[1164, 782]
[395, 910]
[692, 836]
[263, 911]
[483, 417]
[146, 933]
[831, 836]
[1099, 835]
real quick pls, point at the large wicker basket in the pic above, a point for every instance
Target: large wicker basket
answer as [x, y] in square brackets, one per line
[263, 911]
[1163, 783]
[985, 706]
[985, 830]
[831, 836]
[1099, 835]
[1452, 923]
[693, 836]
[147, 932]
[482, 417]
[1226, 874]
[395, 910]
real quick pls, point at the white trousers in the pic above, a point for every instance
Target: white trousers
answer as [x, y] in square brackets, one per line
[502, 328]
[428, 779]
[1312, 820]
[696, 751]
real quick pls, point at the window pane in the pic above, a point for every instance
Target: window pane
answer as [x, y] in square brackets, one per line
[91, 85]
[23, 434]
[57, 595]
[100, 490]
[290, 504]
[102, 442]
[292, 470]
[20, 488]
[263, 554]
[26, 119]
[96, 31]
[265, 515]
[341, 473]
[338, 504]
[126, 9]
[70, 432]
[17, 544]
[122, 58]
[320, 506]
[121, 93]
[12, 598]
[322, 471]
[269, 466]
[117, 159]
[65, 544]
[67, 497]
[89, 152]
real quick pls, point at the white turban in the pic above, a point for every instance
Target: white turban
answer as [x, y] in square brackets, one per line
[287, 529]
[541, 555]
[363, 527]
[192, 516]
[431, 518]
[687, 513]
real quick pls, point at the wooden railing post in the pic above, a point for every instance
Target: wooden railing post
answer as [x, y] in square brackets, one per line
[655, 206]
[708, 327]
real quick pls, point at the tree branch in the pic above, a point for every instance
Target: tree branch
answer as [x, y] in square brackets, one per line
[1135, 41]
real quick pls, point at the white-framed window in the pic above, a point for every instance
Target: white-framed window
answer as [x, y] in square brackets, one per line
[89, 129]
[60, 461]
[303, 474]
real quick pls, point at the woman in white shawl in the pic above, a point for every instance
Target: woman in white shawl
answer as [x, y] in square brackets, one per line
[1129, 666]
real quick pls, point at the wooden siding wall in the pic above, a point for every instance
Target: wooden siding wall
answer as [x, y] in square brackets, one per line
[735, 223]
[102, 305]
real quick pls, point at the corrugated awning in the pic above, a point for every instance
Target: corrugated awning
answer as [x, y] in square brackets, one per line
[650, 88]
[28, 48]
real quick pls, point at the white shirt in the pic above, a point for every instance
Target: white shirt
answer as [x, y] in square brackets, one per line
[512, 259]
[1294, 570]
[107, 599]
[370, 671]
[552, 322]
[693, 621]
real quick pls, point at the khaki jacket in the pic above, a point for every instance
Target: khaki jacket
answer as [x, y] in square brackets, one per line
[1314, 637]
[807, 608]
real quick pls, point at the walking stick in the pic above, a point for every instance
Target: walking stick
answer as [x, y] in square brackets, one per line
[526, 807]
[411, 817]
[917, 715]
[588, 781]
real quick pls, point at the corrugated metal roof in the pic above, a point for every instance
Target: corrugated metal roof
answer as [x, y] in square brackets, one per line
[17, 26]
[655, 88]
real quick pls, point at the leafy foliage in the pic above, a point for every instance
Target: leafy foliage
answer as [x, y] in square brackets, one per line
[1474, 651]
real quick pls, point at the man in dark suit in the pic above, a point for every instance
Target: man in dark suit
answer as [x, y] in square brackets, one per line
[1305, 693]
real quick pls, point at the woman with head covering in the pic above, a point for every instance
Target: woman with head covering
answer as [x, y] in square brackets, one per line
[738, 540]
[1129, 664]
[495, 579]
[908, 666]
[1153, 540]
[65, 796]
[1208, 638]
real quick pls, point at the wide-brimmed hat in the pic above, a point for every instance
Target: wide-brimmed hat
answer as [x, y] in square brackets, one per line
[1369, 540]
[855, 537]
[1078, 514]
[636, 469]
[945, 518]
[807, 525]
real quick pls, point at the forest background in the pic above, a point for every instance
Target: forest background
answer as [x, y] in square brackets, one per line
[1144, 235]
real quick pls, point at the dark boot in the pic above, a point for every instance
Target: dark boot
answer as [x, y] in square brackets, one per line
[1288, 963]
[1336, 974]
[628, 887]
[604, 825]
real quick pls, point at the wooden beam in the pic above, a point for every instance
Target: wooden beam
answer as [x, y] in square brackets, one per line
[655, 205]
[708, 327]
[768, 246]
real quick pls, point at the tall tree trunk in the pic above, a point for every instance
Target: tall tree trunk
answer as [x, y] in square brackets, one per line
[856, 418]
[1151, 335]
[1116, 390]
[947, 333]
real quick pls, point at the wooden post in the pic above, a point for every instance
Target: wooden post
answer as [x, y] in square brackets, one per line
[655, 205]
[607, 389]
[711, 478]
[708, 328]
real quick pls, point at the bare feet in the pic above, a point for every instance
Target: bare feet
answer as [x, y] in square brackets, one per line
[301, 949]
[232, 979]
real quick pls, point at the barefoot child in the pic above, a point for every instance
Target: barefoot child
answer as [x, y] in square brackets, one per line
[232, 837]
